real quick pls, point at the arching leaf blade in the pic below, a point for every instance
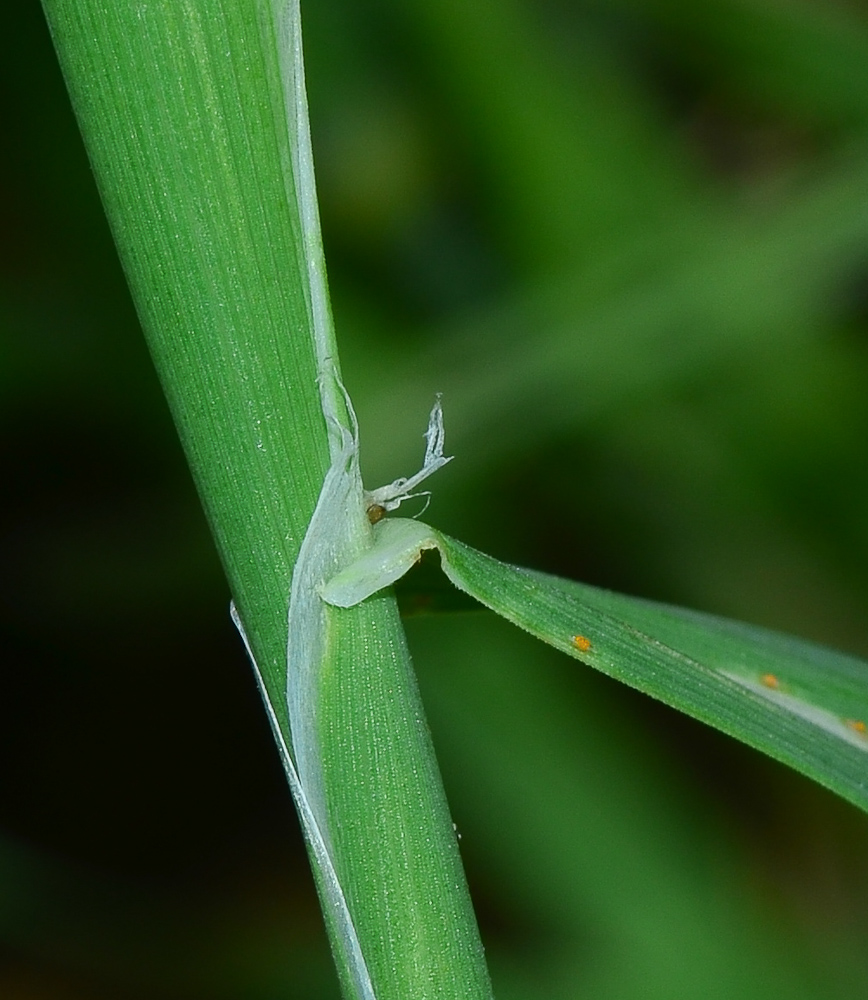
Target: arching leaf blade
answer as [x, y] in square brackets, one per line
[798, 702]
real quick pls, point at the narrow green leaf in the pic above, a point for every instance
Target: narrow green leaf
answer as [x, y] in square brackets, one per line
[800, 703]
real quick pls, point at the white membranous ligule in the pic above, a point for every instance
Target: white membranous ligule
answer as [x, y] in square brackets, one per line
[390, 548]
[390, 497]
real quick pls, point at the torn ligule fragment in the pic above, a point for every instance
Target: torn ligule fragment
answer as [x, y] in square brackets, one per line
[389, 498]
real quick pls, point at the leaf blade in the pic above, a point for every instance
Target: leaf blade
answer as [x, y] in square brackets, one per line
[804, 705]
[746, 681]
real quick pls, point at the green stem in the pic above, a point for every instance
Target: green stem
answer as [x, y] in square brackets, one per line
[194, 118]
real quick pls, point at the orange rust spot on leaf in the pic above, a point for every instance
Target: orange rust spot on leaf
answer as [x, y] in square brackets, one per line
[858, 726]
[581, 643]
[770, 681]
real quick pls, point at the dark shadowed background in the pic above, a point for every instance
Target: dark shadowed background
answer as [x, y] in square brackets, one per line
[628, 242]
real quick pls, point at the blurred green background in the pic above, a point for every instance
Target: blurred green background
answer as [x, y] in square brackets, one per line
[628, 242]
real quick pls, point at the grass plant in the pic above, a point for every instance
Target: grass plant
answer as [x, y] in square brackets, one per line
[195, 121]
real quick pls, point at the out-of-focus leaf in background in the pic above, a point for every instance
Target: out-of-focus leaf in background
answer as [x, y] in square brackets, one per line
[628, 241]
